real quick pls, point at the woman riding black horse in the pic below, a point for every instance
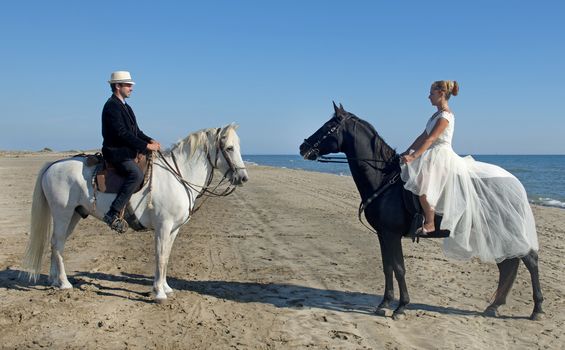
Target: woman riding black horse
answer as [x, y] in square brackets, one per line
[484, 207]
[375, 168]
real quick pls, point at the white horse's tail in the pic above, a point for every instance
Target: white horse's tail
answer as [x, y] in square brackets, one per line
[40, 229]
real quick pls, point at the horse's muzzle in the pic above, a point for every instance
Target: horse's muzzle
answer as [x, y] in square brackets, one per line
[308, 152]
[239, 177]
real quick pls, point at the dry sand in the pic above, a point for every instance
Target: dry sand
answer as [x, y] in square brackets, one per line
[282, 263]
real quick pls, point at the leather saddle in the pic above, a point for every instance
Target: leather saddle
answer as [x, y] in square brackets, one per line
[413, 206]
[106, 178]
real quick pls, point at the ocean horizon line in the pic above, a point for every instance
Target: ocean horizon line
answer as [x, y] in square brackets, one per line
[49, 149]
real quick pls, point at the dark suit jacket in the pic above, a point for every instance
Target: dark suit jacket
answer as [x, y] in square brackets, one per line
[122, 137]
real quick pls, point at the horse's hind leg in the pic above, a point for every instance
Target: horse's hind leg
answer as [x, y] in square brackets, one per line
[531, 262]
[62, 228]
[508, 270]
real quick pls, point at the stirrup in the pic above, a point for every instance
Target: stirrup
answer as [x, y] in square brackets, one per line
[119, 225]
[116, 223]
[417, 224]
[422, 232]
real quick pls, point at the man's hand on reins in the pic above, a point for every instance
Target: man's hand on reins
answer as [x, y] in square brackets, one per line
[154, 146]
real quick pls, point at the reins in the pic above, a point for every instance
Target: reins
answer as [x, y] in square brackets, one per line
[345, 160]
[364, 204]
[201, 190]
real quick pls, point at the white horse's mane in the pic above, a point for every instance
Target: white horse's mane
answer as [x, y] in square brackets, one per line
[199, 139]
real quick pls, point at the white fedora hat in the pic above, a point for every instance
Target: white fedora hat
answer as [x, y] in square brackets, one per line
[120, 77]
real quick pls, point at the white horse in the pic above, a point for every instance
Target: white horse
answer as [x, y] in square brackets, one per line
[64, 191]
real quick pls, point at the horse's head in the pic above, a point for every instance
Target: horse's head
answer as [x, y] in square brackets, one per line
[328, 138]
[228, 156]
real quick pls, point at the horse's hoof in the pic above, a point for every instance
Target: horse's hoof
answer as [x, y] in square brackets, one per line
[398, 316]
[64, 285]
[537, 316]
[160, 301]
[381, 312]
[490, 312]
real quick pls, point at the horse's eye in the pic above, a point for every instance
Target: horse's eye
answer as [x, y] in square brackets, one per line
[229, 149]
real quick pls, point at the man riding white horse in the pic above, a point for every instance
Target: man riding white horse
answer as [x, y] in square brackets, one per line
[123, 140]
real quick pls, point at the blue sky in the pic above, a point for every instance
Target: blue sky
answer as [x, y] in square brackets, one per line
[274, 67]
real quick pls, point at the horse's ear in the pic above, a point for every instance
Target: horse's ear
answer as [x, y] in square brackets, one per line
[341, 107]
[336, 110]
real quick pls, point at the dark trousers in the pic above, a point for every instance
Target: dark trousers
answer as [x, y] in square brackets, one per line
[133, 179]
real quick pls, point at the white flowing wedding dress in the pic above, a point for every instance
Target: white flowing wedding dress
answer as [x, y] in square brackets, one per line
[484, 206]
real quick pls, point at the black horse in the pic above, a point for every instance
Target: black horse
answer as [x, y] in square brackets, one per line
[375, 167]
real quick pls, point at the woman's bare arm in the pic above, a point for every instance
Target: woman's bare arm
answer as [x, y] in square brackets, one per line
[427, 140]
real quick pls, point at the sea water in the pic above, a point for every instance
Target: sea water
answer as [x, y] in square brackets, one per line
[543, 176]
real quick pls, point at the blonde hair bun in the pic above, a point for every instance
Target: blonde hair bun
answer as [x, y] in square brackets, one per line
[455, 88]
[449, 87]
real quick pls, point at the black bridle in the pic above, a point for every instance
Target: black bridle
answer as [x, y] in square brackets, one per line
[222, 148]
[340, 160]
[314, 148]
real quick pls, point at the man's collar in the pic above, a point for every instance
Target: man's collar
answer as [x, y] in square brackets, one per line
[119, 100]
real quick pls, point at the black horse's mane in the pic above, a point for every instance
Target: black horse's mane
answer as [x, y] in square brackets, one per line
[381, 147]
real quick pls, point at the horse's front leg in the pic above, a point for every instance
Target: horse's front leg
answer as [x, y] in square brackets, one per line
[163, 243]
[388, 296]
[400, 273]
[168, 289]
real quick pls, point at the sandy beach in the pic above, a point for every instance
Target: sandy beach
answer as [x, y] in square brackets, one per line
[281, 263]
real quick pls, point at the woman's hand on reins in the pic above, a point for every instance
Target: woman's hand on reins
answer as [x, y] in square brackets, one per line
[407, 159]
